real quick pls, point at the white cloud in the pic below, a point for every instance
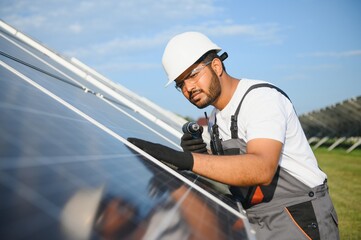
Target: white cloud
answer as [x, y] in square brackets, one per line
[265, 34]
[119, 66]
[126, 45]
[131, 17]
[304, 72]
[350, 53]
[102, 30]
[295, 77]
[309, 67]
[75, 28]
[103, 14]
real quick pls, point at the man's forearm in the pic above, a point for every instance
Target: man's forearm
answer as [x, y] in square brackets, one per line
[253, 168]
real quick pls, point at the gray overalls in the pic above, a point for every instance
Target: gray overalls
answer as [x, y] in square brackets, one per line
[285, 209]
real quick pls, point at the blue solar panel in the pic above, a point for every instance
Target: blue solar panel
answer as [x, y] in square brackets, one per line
[66, 170]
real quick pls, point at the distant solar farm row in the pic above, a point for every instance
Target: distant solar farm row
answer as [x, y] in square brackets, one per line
[338, 125]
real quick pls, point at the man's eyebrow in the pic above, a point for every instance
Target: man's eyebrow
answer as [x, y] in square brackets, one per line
[185, 76]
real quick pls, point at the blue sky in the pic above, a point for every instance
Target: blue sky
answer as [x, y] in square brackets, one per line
[311, 49]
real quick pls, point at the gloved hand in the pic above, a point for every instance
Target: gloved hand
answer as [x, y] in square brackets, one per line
[175, 159]
[197, 145]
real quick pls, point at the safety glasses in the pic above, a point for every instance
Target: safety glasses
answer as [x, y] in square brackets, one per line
[192, 77]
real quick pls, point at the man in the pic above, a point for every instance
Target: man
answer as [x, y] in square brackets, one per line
[259, 148]
[94, 213]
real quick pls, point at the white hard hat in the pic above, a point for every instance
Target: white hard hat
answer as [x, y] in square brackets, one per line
[183, 50]
[78, 215]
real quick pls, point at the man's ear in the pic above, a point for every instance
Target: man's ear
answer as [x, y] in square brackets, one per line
[217, 66]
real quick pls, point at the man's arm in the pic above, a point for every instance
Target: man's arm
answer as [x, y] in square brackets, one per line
[256, 167]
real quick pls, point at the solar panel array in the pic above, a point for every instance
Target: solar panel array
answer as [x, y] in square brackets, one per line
[340, 119]
[67, 171]
[335, 124]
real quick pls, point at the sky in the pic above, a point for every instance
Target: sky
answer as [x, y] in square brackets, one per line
[309, 48]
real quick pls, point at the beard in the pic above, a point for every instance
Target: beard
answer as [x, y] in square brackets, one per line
[212, 94]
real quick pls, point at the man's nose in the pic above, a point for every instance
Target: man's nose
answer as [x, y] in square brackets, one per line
[189, 85]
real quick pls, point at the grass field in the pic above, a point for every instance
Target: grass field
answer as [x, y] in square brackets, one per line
[344, 180]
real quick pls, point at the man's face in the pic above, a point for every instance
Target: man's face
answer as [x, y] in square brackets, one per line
[116, 220]
[202, 88]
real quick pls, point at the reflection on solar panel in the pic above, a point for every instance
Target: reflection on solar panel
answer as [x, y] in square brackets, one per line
[66, 170]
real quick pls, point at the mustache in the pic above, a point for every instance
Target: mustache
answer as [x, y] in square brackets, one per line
[194, 91]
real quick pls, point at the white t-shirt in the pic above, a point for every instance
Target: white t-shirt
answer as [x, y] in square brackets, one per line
[266, 113]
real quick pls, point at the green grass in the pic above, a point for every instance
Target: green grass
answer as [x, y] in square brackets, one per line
[344, 180]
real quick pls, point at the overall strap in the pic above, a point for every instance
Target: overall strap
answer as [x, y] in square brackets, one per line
[234, 126]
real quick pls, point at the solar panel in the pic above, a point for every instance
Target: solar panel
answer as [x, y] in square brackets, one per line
[67, 171]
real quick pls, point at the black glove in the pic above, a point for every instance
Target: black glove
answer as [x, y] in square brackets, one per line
[175, 159]
[197, 145]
